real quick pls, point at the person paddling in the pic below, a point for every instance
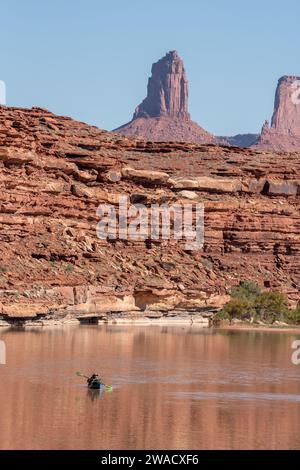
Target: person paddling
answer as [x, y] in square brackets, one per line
[93, 378]
[95, 381]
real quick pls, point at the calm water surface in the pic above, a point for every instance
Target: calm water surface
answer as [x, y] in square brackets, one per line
[174, 387]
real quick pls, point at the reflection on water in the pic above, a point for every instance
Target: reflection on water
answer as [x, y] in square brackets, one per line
[95, 394]
[173, 387]
[226, 396]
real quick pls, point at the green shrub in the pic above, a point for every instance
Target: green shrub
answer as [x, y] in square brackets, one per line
[221, 315]
[240, 308]
[248, 302]
[247, 289]
[293, 316]
[271, 306]
[69, 268]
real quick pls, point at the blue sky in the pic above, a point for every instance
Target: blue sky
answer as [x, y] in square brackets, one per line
[90, 59]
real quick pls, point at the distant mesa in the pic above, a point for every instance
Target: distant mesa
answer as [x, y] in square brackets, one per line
[163, 115]
[240, 140]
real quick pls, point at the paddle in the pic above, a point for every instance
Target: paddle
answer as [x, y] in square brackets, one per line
[108, 387]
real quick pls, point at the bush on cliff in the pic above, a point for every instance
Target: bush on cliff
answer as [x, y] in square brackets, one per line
[271, 306]
[249, 303]
[238, 307]
[247, 289]
[294, 316]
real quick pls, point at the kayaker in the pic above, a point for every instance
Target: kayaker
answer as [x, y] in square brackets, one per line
[91, 379]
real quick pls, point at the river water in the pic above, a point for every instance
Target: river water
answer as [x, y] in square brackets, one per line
[173, 388]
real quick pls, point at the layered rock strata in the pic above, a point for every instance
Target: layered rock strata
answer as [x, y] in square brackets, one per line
[54, 173]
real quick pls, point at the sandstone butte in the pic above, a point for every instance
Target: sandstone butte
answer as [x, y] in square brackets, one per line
[54, 172]
[284, 132]
[163, 115]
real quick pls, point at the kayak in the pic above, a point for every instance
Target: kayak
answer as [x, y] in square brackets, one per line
[95, 385]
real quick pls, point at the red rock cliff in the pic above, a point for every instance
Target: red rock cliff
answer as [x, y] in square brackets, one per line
[54, 173]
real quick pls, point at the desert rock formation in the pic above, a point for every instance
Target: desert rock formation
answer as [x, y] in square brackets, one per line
[284, 132]
[167, 90]
[163, 115]
[54, 173]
